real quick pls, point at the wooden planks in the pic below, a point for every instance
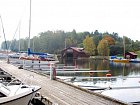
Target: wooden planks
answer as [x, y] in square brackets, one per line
[59, 92]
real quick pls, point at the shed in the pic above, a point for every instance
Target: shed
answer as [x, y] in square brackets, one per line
[73, 52]
[131, 55]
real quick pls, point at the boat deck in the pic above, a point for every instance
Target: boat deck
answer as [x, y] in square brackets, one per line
[58, 92]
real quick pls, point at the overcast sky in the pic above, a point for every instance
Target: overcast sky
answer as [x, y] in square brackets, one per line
[120, 16]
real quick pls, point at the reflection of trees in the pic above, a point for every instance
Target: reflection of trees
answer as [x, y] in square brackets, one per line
[102, 65]
[122, 69]
[117, 69]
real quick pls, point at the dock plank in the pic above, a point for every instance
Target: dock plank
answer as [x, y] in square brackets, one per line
[59, 92]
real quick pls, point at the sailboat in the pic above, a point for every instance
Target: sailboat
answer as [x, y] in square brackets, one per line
[122, 60]
[34, 58]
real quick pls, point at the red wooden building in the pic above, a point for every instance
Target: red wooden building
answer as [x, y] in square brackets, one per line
[131, 55]
[73, 52]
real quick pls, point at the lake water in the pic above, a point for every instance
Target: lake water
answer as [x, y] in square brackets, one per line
[124, 84]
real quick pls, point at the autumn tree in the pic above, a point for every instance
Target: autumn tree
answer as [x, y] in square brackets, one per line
[103, 48]
[89, 45]
[109, 39]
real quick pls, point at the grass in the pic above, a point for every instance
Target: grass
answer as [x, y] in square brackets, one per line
[138, 52]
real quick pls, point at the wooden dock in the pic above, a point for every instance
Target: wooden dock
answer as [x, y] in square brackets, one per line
[59, 92]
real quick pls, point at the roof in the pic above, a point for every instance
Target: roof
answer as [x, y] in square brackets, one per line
[132, 53]
[77, 49]
[74, 48]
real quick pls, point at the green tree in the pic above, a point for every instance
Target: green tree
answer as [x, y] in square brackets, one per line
[70, 42]
[89, 45]
[103, 48]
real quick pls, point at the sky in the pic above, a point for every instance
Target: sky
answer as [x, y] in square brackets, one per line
[119, 16]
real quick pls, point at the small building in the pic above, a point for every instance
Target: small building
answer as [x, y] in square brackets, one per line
[131, 55]
[73, 52]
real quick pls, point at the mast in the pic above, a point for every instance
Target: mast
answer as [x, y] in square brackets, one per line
[19, 40]
[5, 39]
[4, 34]
[29, 28]
[124, 46]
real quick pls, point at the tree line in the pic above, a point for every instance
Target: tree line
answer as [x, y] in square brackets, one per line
[94, 43]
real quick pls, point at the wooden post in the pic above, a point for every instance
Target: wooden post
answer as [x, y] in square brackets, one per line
[51, 73]
[54, 73]
[8, 61]
[23, 63]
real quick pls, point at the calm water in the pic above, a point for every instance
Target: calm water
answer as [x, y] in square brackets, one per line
[126, 89]
[116, 69]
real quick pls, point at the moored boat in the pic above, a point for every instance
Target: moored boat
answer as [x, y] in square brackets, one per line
[121, 60]
[17, 94]
[135, 60]
[37, 58]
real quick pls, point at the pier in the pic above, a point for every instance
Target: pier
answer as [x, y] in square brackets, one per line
[57, 91]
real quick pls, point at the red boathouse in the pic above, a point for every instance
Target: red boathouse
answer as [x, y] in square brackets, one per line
[73, 52]
[131, 55]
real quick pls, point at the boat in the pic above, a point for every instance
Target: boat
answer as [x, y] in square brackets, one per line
[135, 60]
[121, 60]
[38, 58]
[17, 94]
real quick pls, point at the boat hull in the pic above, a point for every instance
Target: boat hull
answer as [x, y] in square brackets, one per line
[135, 61]
[22, 99]
[121, 60]
[37, 62]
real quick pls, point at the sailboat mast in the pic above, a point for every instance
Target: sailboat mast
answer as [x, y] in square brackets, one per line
[29, 27]
[4, 34]
[124, 46]
[19, 40]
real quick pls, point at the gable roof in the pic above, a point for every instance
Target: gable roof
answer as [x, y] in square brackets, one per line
[132, 53]
[77, 49]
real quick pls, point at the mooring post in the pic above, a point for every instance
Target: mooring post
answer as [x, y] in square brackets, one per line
[51, 73]
[23, 63]
[54, 73]
[8, 61]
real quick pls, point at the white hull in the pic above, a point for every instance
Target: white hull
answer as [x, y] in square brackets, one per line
[20, 101]
[19, 96]
[32, 62]
[36, 62]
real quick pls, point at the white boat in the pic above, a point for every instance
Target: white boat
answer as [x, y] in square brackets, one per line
[29, 60]
[17, 94]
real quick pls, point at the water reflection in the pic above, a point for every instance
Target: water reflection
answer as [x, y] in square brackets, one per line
[124, 75]
[117, 69]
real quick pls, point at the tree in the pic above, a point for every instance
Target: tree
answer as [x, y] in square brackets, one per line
[110, 40]
[89, 45]
[70, 42]
[103, 48]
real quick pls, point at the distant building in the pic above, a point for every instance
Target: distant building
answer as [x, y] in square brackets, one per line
[131, 55]
[73, 52]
